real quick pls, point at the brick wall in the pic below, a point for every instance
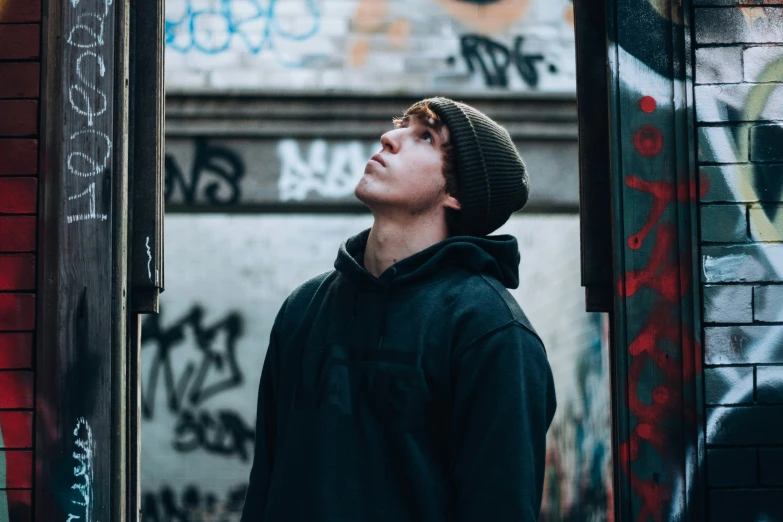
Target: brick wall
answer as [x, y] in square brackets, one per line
[454, 46]
[19, 81]
[739, 110]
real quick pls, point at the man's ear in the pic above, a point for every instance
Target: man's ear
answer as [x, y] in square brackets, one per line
[451, 202]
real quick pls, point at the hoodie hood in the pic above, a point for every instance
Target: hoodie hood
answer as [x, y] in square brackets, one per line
[496, 256]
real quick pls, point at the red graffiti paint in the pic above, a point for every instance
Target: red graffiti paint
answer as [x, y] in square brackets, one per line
[663, 193]
[647, 104]
[665, 278]
[648, 140]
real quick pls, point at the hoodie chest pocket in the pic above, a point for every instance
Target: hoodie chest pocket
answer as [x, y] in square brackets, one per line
[386, 385]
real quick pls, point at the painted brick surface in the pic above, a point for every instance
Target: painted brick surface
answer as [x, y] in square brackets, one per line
[769, 385]
[19, 42]
[731, 467]
[741, 183]
[18, 157]
[718, 65]
[16, 350]
[18, 195]
[17, 429]
[729, 97]
[771, 466]
[728, 303]
[17, 233]
[739, 25]
[724, 224]
[757, 344]
[762, 222]
[18, 11]
[763, 64]
[17, 312]
[732, 505]
[449, 46]
[20, 117]
[18, 389]
[768, 303]
[766, 142]
[744, 425]
[19, 80]
[742, 263]
[719, 383]
[727, 144]
[17, 272]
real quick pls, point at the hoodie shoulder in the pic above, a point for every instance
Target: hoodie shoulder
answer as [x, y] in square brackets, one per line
[485, 305]
[297, 302]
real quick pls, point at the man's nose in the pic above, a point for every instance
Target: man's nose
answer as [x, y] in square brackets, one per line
[390, 141]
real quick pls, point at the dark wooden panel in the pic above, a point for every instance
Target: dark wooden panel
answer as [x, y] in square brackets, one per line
[18, 195]
[15, 11]
[17, 272]
[20, 117]
[18, 157]
[20, 42]
[19, 80]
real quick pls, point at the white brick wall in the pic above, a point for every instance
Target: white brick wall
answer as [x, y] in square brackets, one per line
[365, 45]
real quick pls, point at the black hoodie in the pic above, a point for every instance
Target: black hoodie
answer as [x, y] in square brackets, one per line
[423, 395]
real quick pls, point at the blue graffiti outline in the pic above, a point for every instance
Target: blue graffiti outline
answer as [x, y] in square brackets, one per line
[272, 29]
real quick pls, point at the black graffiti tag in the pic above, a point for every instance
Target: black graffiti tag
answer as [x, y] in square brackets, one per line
[192, 505]
[209, 160]
[224, 434]
[190, 386]
[493, 59]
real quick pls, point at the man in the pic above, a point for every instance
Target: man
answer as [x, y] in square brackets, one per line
[407, 385]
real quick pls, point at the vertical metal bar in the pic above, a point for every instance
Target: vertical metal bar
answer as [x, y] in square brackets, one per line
[119, 387]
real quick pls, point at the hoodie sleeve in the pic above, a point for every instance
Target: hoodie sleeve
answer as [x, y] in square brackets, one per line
[504, 400]
[266, 428]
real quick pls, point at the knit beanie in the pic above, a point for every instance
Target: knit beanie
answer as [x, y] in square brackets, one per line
[492, 180]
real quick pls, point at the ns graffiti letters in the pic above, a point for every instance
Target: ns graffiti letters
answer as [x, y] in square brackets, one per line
[223, 165]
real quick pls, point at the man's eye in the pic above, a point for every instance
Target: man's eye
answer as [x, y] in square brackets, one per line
[427, 136]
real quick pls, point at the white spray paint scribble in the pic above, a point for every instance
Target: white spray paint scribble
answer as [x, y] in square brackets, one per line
[149, 260]
[329, 170]
[86, 37]
[83, 471]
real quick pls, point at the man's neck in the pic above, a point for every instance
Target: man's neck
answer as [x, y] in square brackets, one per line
[391, 241]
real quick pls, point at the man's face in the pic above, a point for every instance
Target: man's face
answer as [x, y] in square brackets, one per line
[407, 174]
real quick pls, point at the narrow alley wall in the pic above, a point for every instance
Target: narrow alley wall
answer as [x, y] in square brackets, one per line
[739, 110]
[248, 132]
[20, 40]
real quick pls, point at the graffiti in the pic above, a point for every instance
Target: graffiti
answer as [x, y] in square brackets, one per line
[83, 471]
[487, 16]
[578, 477]
[192, 505]
[330, 171]
[222, 434]
[93, 146]
[216, 161]
[252, 25]
[215, 372]
[493, 59]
